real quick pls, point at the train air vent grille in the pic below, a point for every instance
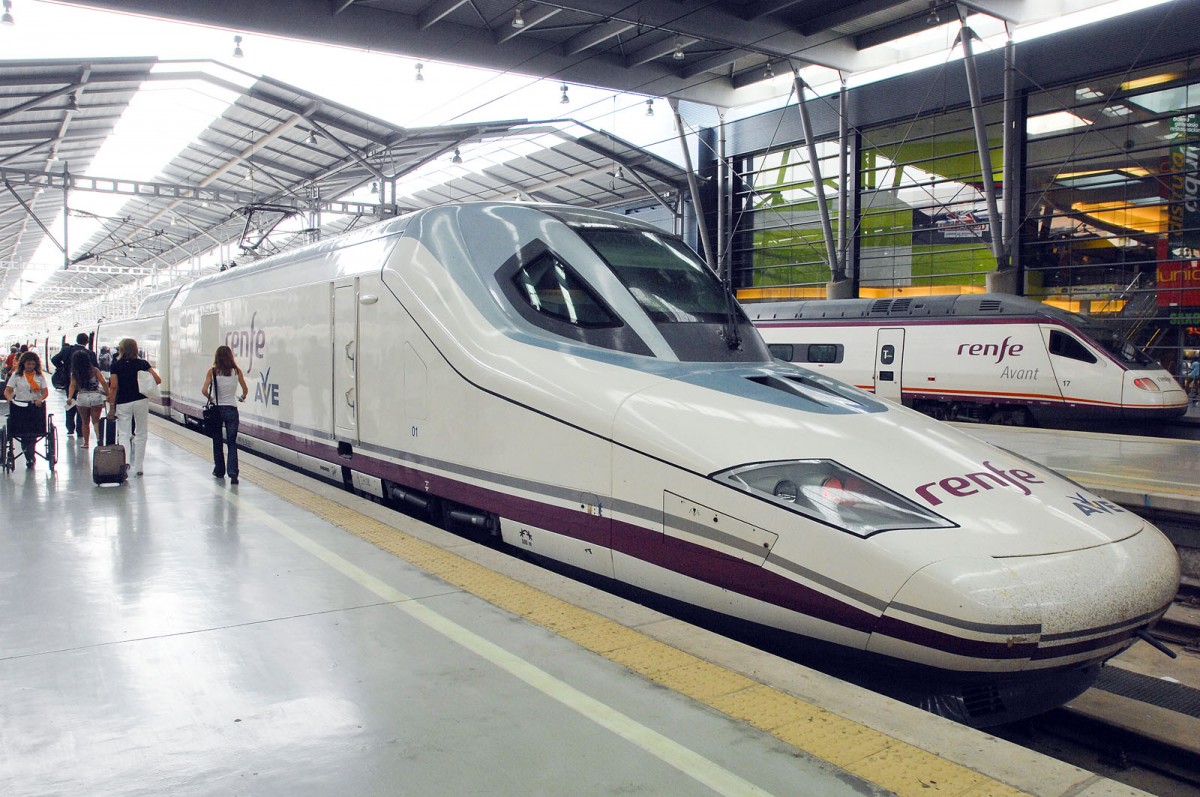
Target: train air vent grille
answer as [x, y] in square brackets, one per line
[989, 305]
[880, 306]
[812, 391]
[901, 305]
[982, 700]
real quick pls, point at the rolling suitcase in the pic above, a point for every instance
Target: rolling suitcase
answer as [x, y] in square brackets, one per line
[108, 460]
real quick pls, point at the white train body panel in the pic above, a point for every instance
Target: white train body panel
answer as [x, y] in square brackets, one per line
[1012, 353]
[149, 329]
[512, 362]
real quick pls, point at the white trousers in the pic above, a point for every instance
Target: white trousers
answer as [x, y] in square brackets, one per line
[133, 427]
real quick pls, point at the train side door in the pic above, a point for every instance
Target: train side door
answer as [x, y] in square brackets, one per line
[1080, 371]
[889, 357]
[345, 360]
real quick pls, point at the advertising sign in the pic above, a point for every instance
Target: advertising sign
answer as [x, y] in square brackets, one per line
[1183, 218]
[1178, 280]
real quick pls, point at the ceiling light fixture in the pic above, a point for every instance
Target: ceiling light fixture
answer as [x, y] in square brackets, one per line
[237, 47]
[768, 73]
[72, 102]
[311, 139]
[420, 77]
[678, 54]
[518, 20]
[649, 107]
[565, 99]
[7, 19]
[934, 17]
[375, 187]
[249, 174]
[457, 157]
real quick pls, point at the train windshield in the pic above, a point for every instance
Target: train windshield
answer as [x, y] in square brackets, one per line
[665, 278]
[1122, 350]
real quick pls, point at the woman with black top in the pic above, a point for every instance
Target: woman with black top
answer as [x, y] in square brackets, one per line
[132, 408]
[220, 387]
[88, 389]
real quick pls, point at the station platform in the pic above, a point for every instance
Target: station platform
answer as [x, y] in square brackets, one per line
[176, 635]
[1149, 472]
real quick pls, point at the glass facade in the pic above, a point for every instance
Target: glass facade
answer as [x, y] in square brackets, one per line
[1109, 203]
[786, 252]
[1112, 203]
[923, 225]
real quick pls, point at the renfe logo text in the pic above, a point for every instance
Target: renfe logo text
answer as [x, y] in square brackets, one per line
[972, 483]
[991, 349]
[247, 345]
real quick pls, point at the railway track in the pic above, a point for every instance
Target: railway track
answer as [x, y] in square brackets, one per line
[1119, 754]
[1181, 624]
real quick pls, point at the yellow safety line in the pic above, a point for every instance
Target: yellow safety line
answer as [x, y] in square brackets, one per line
[892, 764]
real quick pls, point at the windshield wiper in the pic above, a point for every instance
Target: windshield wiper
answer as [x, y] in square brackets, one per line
[733, 338]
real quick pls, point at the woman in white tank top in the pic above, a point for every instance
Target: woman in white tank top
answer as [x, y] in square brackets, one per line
[221, 385]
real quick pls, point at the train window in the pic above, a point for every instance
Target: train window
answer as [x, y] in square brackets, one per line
[781, 351]
[665, 278]
[825, 352]
[1067, 346]
[546, 292]
[1122, 350]
[551, 288]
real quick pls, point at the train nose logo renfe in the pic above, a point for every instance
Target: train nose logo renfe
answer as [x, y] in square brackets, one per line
[247, 344]
[991, 349]
[981, 481]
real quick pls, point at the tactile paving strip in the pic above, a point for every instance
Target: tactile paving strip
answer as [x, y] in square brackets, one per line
[897, 766]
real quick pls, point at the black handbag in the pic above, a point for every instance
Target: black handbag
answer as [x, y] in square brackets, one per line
[212, 420]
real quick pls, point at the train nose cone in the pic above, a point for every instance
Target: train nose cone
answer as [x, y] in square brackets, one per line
[999, 614]
[966, 613]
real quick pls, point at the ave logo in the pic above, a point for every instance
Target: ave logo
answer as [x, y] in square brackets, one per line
[1097, 507]
[265, 391]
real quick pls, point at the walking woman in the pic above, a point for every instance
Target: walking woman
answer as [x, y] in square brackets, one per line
[132, 408]
[220, 387]
[28, 386]
[89, 389]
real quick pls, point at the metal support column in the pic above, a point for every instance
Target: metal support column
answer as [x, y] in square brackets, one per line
[981, 144]
[66, 245]
[840, 285]
[1013, 172]
[693, 187]
[843, 181]
[725, 268]
[815, 167]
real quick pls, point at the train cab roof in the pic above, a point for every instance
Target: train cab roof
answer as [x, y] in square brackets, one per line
[982, 305]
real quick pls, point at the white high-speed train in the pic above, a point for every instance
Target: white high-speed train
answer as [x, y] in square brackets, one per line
[581, 386]
[983, 357]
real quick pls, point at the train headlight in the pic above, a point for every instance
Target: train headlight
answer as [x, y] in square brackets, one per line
[1146, 384]
[826, 491]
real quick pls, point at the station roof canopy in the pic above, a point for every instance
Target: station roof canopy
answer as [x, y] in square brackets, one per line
[278, 168]
[715, 52]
